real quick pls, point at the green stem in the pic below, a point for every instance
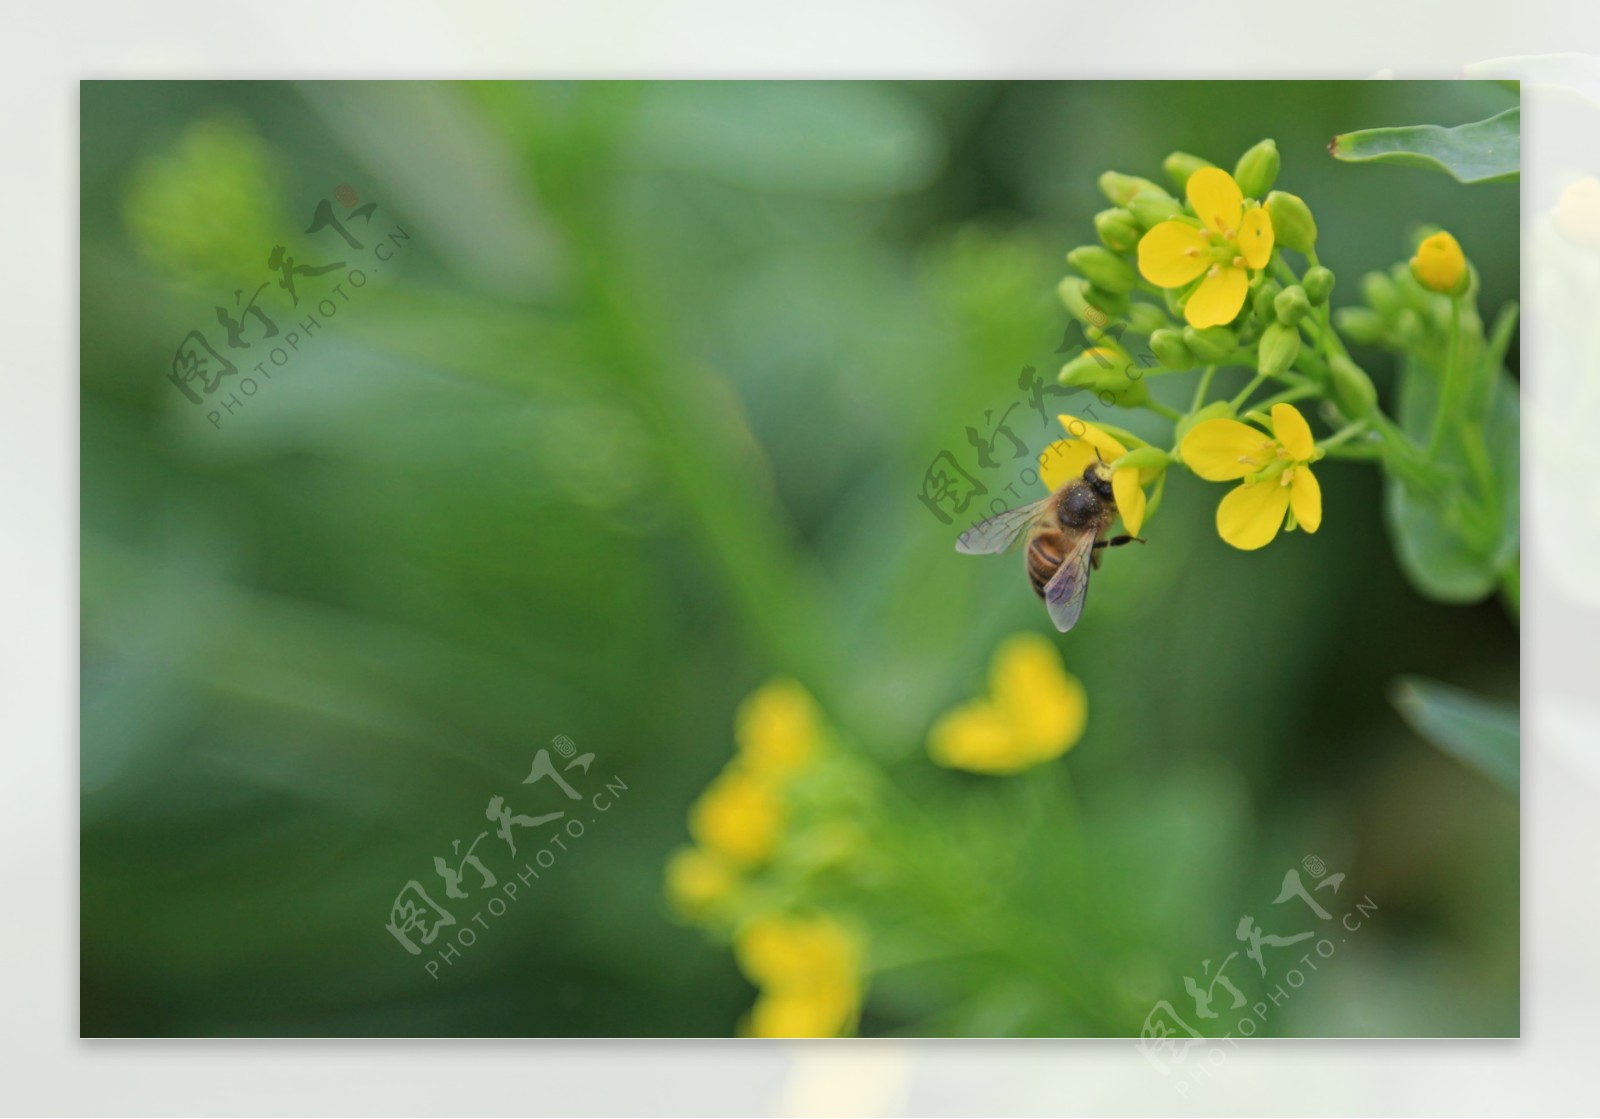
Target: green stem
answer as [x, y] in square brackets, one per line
[1299, 392]
[1254, 384]
[1161, 409]
[1343, 435]
[1447, 391]
[1202, 388]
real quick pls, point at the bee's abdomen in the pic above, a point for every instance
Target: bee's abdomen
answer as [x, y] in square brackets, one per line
[1044, 559]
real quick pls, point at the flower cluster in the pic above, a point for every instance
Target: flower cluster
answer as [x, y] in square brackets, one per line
[1208, 282]
[764, 828]
[808, 970]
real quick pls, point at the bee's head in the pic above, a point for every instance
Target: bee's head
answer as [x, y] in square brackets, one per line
[1098, 475]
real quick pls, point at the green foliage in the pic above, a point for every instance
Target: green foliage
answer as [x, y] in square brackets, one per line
[1482, 733]
[1485, 151]
[641, 424]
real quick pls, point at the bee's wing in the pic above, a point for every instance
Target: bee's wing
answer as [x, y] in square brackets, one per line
[1064, 594]
[1002, 531]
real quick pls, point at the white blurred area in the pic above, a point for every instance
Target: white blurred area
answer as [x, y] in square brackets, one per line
[1551, 1071]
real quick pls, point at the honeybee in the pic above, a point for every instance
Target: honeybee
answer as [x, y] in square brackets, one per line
[1063, 534]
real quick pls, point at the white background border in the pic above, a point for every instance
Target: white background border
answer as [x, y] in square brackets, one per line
[45, 1069]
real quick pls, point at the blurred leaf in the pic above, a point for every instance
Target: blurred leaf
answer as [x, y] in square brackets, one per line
[1481, 732]
[1486, 151]
[1442, 551]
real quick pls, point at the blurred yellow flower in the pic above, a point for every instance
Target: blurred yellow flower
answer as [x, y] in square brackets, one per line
[1277, 472]
[777, 728]
[698, 879]
[808, 969]
[1035, 712]
[1065, 459]
[1439, 264]
[738, 817]
[1230, 240]
[1577, 211]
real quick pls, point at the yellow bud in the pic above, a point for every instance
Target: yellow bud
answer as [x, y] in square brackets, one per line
[1440, 265]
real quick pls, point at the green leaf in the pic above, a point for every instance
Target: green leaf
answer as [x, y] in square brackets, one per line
[1483, 733]
[1452, 546]
[1486, 151]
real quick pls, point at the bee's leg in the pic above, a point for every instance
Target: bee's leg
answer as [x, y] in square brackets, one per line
[1118, 541]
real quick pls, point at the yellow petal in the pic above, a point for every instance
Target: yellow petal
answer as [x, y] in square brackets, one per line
[975, 736]
[1110, 447]
[1217, 199]
[1305, 498]
[1255, 237]
[738, 817]
[1172, 254]
[1250, 516]
[1064, 460]
[1130, 499]
[1216, 302]
[1222, 450]
[1293, 432]
[1045, 705]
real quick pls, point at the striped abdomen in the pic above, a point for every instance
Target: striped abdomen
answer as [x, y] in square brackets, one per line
[1045, 552]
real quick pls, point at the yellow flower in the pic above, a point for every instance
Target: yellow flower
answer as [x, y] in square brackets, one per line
[1577, 211]
[1276, 468]
[1230, 240]
[697, 880]
[1035, 712]
[808, 969]
[737, 817]
[1065, 459]
[777, 728]
[1439, 264]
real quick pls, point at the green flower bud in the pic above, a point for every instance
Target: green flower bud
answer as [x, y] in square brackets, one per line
[1146, 318]
[1292, 224]
[1113, 303]
[1257, 169]
[1117, 229]
[1170, 350]
[1145, 458]
[1153, 206]
[1180, 165]
[1121, 188]
[1107, 370]
[1291, 305]
[1360, 324]
[1104, 268]
[1352, 388]
[1262, 307]
[1173, 298]
[1381, 294]
[1318, 284]
[1408, 328]
[1074, 293]
[1280, 345]
[1211, 344]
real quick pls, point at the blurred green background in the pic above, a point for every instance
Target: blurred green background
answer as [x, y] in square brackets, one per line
[635, 419]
